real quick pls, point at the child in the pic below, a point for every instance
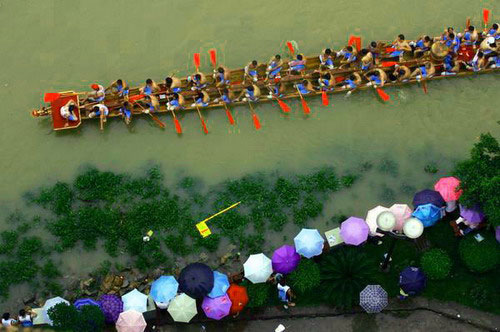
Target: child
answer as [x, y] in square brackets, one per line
[285, 293]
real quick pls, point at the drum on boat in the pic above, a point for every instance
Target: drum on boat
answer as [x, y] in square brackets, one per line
[438, 52]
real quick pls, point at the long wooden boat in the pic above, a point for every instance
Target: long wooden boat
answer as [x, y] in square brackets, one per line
[238, 83]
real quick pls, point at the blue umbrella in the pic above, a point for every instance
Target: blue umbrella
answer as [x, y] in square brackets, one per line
[428, 196]
[309, 243]
[221, 284]
[196, 280]
[428, 214]
[164, 289]
[373, 299]
[412, 280]
[82, 302]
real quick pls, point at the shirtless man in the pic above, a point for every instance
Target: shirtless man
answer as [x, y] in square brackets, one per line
[401, 46]
[304, 87]
[352, 82]
[173, 84]
[478, 62]
[402, 73]
[349, 55]
[326, 58]
[326, 82]
[221, 76]
[421, 46]
[202, 99]
[176, 101]
[488, 45]
[250, 93]
[274, 67]
[150, 87]
[470, 36]
[376, 77]
[366, 59]
[251, 71]
[198, 81]
[119, 88]
[150, 103]
[424, 72]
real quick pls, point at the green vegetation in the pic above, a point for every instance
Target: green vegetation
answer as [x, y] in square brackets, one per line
[431, 168]
[306, 277]
[67, 318]
[258, 294]
[436, 264]
[481, 256]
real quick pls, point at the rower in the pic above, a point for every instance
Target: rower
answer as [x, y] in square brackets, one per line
[453, 43]
[402, 73]
[374, 48]
[366, 59]
[421, 46]
[304, 87]
[251, 93]
[351, 82]
[68, 112]
[198, 81]
[274, 67]
[221, 76]
[451, 66]
[173, 84]
[227, 96]
[325, 82]
[376, 77]
[470, 36]
[151, 104]
[326, 58]
[98, 109]
[298, 65]
[126, 112]
[478, 63]
[150, 87]
[423, 71]
[401, 46]
[202, 99]
[176, 102]
[276, 89]
[251, 71]
[118, 87]
[348, 54]
[488, 45]
[97, 94]
[493, 32]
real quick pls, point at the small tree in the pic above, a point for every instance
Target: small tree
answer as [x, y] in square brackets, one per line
[91, 319]
[479, 256]
[436, 264]
[305, 277]
[64, 317]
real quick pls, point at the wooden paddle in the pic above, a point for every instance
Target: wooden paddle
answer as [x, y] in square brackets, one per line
[177, 124]
[290, 48]
[205, 130]
[101, 120]
[256, 121]
[228, 112]
[213, 60]
[155, 119]
[196, 60]
[467, 23]
[284, 107]
[424, 86]
[486, 17]
[305, 107]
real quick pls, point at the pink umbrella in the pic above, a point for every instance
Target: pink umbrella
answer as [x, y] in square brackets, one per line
[217, 307]
[448, 188]
[131, 321]
[401, 212]
[354, 231]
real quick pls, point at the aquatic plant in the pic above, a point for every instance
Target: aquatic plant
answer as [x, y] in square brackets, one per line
[57, 198]
[322, 180]
[277, 221]
[348, 180]
[310, 208]
[94, 185]
[431, 168]
[481, 256]
[288, 192]
[305, 277]
[8, 242]
[386, 195]
[254, 242]
[407, 189]
[389, 166]
[436, 264]
[50, 271]
[176, 243]
[366, 166]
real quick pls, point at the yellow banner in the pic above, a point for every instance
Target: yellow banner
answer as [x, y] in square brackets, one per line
[203, 229]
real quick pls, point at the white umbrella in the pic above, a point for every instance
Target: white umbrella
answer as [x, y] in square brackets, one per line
[371, 219]
[49, 304]
[309, 242]
[258, 268]
[401, 212]
[413, 228]
[182, 308]
[135, 300]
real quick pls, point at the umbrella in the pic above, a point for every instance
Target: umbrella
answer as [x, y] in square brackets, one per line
[135, 300]
[354, 231]
[182, 308]
[112, 306]
[428, 214]
[309, 243]
[221, 284]
[401, 212]
[216, 308]
[196, 280]
[497, 233]
[371, 219]
[49, 304]
[412, 280]
[164, 289]
[413, 228]
[448, 188]
[239, 298]
[386, 221]
[131, 321]
[473, 215]
[258, 268]
[428, 196]
[373, 299]
[82, 302]
[285, 259]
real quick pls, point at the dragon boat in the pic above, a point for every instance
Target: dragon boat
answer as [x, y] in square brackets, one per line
[238, 82]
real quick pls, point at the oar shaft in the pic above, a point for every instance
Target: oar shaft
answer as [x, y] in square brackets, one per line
[222, 211]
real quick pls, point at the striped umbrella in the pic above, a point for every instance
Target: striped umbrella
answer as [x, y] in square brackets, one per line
[373, 299]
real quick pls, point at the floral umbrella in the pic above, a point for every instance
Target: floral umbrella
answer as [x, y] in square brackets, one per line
[354, 231]
[373, 299]
[401, 212]
[112, 306]
[216, 308]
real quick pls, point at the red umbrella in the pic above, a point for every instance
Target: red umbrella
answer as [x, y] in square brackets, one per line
[239, 298]
[448, 188]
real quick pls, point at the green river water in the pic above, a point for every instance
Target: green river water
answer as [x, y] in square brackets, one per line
[66, 45]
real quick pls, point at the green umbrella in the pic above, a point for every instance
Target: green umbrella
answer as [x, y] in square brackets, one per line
[182, 308]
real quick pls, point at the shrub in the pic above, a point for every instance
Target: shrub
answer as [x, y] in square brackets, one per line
[91, 319]
[436, 264]
[348, 180]
[344, 274]
[8, 242]
[258, 294]
[306, 277]
[64, 317]
[479, 256]
[388, 166]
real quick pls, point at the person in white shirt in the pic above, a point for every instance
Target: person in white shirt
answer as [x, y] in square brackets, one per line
[7, 321]
[26, 318]
[68, 112]
[285, 293]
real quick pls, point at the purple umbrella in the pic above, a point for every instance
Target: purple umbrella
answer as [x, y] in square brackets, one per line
[473, 215]
[112, 306]
[81, 302]
[354, 231]
[412, 280]
[428, 196]
[497, 233]
[285, 259]
[217, 307]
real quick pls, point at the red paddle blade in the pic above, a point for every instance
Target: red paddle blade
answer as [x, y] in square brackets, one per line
[383, 95]
[213, 57]
[389, 63]
[290, 47]
[324, 98]
[229, 117]
[424, 86]
[256, 121]
[196, 60]
[205, 130]
[284, 107]
[356, 41]
[351, 40]
[178, 127]
[389, 49]
[467, 23]
[135, 98]
[305, 107]
[51, 96]
[486, 16]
